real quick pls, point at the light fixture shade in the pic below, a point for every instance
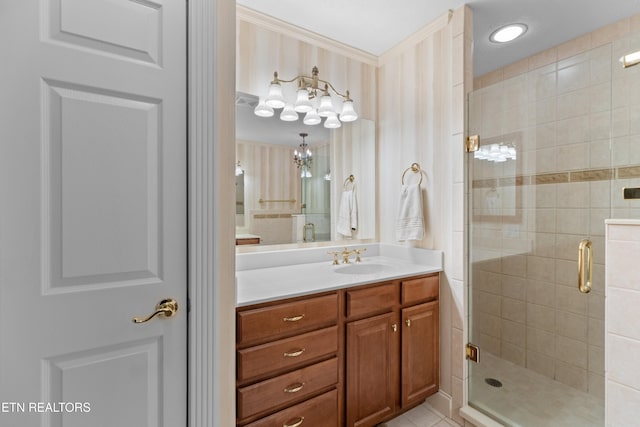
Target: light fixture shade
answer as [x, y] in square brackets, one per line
[262, 109]
[312, 118]
[303, 105]
[348, 113]
[326, 106]
[305, 172]
[288, 114]
[630, 59]
[275, 99]
[332, 122]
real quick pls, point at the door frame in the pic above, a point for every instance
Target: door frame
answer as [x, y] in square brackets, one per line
[211, 218]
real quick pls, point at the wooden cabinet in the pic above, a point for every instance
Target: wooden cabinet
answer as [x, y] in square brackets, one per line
[392, 358]
[355, 357]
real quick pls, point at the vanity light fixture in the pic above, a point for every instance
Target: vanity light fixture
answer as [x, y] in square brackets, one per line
[313, 99]
[303, 159]
[508, 33]
[630, 60]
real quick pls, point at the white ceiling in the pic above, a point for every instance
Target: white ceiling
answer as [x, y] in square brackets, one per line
[375, 26]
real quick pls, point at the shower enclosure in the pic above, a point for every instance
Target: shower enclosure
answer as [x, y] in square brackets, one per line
[556, 149]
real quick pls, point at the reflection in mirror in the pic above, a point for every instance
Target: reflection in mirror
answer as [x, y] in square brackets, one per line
[239, 199]
[280, 205]
[497, 191]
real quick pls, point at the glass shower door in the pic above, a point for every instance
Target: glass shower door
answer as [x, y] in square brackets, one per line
[539, 185]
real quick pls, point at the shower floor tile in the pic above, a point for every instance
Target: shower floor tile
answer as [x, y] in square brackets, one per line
[528, 399]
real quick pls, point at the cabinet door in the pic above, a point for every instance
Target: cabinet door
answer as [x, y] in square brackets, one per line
[372, 369]
[420, 350]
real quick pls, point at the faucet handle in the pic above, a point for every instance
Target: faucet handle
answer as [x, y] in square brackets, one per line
[357, 251]
[335, 257]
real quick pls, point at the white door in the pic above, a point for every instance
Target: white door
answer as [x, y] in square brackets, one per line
[92, 212]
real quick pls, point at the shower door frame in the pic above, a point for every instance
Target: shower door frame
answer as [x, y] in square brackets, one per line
[592, 175]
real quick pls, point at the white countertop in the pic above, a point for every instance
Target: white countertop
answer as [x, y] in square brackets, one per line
[257, 281]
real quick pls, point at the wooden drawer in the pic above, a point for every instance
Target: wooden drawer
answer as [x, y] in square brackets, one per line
[321, 411]
[287, 388]
[289, 352]
[371, 300]
[420, 289]
[279, 320]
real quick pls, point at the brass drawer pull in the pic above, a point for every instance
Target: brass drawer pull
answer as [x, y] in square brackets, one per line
[293, 319]
[294, 353]
[408, 322]
[294, 388]
[297, 423]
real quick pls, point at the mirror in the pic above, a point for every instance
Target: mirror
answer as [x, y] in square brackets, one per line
[279, 206]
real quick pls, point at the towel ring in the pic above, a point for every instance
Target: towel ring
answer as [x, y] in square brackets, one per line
[351, 179]
[415, 168]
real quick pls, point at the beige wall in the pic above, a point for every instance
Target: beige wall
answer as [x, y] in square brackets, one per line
[422, 87]
[264, 46]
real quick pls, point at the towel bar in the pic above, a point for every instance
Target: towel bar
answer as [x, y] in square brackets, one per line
[292, 200]
[351, 179]
[415, 168]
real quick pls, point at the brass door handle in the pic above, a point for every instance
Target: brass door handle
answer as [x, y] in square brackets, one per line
[585, 266]
[408, 322]
[166, 308]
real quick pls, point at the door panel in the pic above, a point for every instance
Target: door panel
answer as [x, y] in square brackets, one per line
[103, 153]
[93, 214]
[372, 369]
[420, 352]
[125, 28]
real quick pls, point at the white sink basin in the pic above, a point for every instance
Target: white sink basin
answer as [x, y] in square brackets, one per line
[360, 269]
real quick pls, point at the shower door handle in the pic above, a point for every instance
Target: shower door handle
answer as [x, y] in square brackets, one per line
[585, 266]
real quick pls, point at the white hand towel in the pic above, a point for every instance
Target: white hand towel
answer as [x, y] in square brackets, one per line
[410, 222]
[347, 213]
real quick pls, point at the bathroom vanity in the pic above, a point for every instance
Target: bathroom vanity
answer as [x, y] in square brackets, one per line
[351, 345]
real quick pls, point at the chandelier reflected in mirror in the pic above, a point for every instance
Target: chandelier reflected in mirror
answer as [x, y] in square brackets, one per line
[313, 99]
[303, 159]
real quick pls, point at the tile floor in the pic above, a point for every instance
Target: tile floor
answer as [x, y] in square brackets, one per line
[421, 416]
[526, 399]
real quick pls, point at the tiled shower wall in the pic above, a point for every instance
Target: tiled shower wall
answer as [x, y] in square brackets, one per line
[575, 115]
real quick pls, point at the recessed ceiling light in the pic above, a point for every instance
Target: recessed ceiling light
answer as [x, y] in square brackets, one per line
[508, 33]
